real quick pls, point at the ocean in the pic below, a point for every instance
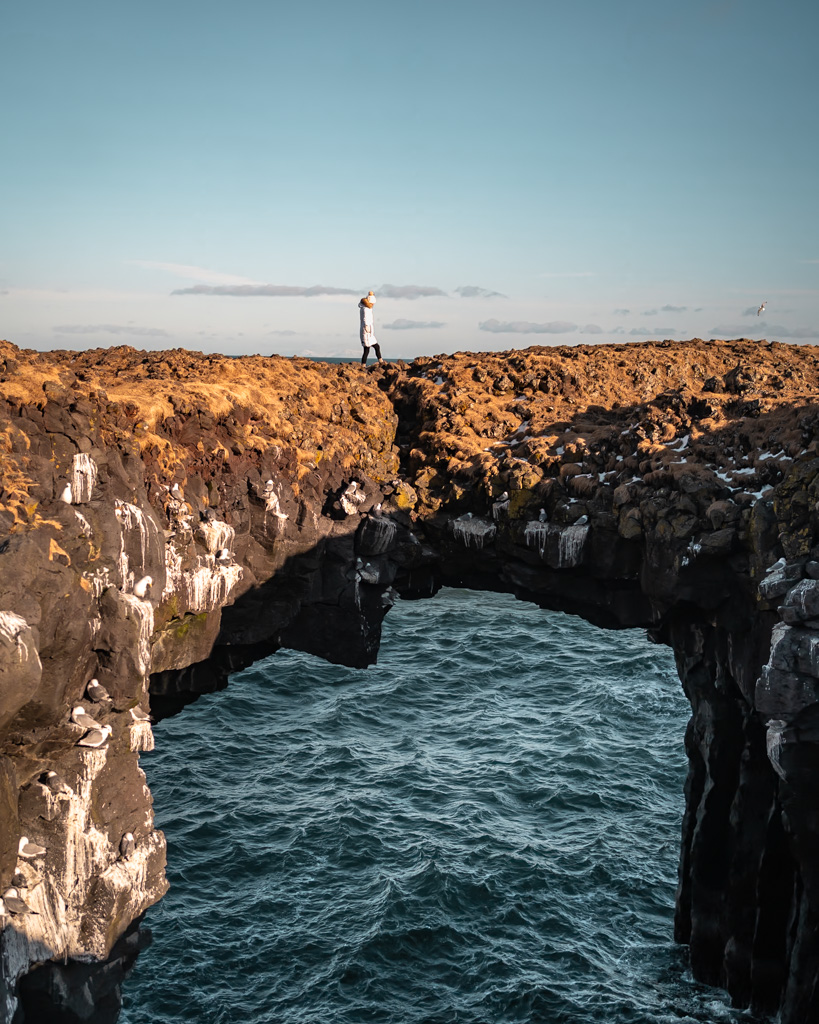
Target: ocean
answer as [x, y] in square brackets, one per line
[481, 829]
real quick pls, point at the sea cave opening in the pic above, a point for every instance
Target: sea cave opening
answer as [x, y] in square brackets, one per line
[482, 827]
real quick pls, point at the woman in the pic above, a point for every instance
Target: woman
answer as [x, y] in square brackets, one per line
[367, 337]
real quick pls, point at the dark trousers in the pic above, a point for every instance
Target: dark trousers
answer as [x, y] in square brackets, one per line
[366, 352]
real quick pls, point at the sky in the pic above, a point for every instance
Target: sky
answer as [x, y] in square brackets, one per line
[233, 177]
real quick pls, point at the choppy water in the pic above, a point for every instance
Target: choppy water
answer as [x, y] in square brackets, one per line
[483, 828]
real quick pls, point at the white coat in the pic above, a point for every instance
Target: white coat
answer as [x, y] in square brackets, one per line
[368, 338]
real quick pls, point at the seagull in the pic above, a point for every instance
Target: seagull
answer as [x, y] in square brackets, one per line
[139, 715]
[18, 879]
[581, 521]
[141, 587]
[542, 517]
[79, 716]
[223, 555]
[53, 781]
[66, 494]
[96, 692]
[29, 850]
[504, 496]
[96, 737]
[762, 307]
[13, 903]
[127, 845]
[176, 491]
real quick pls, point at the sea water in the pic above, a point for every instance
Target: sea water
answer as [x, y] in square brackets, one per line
[483, 828]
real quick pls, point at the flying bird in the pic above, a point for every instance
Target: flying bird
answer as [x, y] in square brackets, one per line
[762, 307]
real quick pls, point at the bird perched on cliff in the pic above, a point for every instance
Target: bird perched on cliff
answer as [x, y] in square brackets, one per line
[581, 521]
[504, 496]
[28, 849]
[223, 555]
[541, 516]
[176, 491]
[55, 783]
[139, 715]
[13, 903]
[79, 716]
[142, 586]
[96, 692]
[127, 845]
[18, 879]
[66, 495]
[762, 307]
[96, 737]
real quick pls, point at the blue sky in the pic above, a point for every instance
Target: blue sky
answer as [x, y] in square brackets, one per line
[525, 173]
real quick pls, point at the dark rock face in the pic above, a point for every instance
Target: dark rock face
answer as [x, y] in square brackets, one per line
[163, 522]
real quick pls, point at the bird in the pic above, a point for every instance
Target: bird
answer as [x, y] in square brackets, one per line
[55, 783]
[504, 496]
[29, 850]
[96, 692]
[141, 587]
[176, 491]
[542, 517]
[18, 879]
[96, 737]
[581, 521]
[376, 509]
[223, 555]
[66, 494]
[139, 715]
[762, 307]
[79, 716]
[13, 903]
[205, 515]
[127, 845]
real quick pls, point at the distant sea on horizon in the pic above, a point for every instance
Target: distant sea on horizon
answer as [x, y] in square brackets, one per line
[483, 828]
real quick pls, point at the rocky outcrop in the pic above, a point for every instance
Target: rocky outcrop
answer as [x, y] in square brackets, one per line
[166, 518]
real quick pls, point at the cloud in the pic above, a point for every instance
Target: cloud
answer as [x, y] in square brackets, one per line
[197, 273]
[591, 329]
[408, 291]
[622, 312]
[763, 327]
[284, 334]
[4, 291]
[472, 291]
[143, 332]
[649, 312]
[673, 309]
[269, 290]
[653, 332]
[525, 327]
[407, 325]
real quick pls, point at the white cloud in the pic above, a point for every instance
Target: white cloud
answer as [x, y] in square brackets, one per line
[193, 273]
[408, 291]
[472, 291]
[406, 325]
[268, 290]
[673, 309]
[762, 327]
[143, 332]
[525, 327]
[591, 329]
[622, 312]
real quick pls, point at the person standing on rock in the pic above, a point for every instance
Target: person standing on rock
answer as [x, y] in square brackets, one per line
[368, 340]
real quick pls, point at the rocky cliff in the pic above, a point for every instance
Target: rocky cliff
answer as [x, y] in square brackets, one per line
[166, 518]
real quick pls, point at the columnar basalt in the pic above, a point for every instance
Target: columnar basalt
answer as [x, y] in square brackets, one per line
[166, 518]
